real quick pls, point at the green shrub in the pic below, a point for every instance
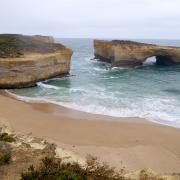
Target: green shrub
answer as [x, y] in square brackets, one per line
[31, 174]
[55, 169]
[7, 138]
[5, 159]
[9, 46]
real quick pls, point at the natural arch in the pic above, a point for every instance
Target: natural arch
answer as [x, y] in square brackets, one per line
[159, 60]
[133, 54]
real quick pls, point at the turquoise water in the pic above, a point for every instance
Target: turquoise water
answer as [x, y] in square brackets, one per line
[150, 91]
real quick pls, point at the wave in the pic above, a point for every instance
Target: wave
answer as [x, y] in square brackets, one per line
[25, 98]
[153, 115]
[119, 68]
[100, 69]
[90, 59]
[41, 84]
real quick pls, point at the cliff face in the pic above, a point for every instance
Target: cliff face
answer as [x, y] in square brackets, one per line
[25, 60]
[132, 54]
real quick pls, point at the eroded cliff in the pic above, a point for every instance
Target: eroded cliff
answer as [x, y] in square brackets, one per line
[132, 54]
[25, 60]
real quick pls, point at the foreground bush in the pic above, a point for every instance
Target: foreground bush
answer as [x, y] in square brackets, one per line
[6, 137]
[55, 169]
[5, 159]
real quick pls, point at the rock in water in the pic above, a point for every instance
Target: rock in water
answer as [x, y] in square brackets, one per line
[25, 60]
[132, 54]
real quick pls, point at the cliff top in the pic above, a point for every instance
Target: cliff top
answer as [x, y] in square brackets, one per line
[137, 44]
[124, 42]
[14, 45]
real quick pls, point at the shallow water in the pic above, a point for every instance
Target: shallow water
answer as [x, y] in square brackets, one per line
[150, 91]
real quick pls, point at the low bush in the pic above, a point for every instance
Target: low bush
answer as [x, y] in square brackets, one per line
[6, 137]
[55, 169]
[5, 159]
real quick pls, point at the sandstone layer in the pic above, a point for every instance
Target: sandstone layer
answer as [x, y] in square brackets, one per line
[25, 60]
[132, 54]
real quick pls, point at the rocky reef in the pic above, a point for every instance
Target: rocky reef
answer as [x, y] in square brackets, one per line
[132, 54]
[25, 60]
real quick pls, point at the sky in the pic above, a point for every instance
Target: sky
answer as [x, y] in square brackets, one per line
[138, 19]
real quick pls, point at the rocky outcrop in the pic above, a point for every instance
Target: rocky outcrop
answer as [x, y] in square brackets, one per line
[132, 54]
[25, 60]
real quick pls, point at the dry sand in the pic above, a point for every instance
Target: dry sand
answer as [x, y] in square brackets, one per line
[131, 142]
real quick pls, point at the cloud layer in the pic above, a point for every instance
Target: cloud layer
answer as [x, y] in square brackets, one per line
[92, 18]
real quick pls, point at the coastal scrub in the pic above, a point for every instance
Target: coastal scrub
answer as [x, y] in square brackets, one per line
[52, 168]
[6, 137]
[5, 159]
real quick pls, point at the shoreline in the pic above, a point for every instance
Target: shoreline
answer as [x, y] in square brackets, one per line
[131, 142]
[42, 101]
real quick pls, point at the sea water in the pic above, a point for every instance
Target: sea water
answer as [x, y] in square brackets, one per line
[149, 91]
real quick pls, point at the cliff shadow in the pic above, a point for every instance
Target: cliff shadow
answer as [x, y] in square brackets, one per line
[163, 60]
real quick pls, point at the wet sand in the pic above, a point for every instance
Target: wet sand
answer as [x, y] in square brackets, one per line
[131, 142]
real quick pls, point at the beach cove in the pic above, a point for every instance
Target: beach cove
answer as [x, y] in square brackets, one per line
[132, 143]
[90, 90]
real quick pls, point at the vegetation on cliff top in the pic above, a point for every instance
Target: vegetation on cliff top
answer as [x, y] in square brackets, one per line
[124, 42]
[9, 47]
[13, 46]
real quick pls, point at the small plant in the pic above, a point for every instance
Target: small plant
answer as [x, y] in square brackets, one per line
[5, 159]
[7, 138]
[148, 175]
[55, 169]
[31, 174]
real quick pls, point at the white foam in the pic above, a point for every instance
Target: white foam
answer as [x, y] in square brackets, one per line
[146, 109]
[119, 68]
[89, 59]
[148, 112]
[41, 84]
[149, 61]
[99, 69]
[25, 98]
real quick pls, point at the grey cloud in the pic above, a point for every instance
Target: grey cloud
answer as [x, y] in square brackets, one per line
[92, 18]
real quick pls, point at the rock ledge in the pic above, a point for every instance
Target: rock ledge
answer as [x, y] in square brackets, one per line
[25, 60]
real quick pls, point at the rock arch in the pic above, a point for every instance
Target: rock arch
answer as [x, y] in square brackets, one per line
[131, 54]
[162, 59]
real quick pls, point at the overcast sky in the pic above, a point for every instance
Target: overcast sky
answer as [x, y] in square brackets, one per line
[92, 18]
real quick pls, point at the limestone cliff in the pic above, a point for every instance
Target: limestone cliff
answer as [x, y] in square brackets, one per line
[132, 54]
[25, 60]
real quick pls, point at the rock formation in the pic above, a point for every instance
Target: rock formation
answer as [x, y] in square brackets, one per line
[132, 54]
[25, 60]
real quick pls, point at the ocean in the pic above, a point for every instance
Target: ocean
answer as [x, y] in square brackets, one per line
[149, 91]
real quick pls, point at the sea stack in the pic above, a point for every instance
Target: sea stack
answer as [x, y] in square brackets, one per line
[26, 60]
[132, 54]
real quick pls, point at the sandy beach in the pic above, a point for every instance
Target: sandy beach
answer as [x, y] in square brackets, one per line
[132, 143]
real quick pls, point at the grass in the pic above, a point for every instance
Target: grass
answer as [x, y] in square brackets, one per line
[14, 46]
[9, 46]
[5, 159]
[6, 137]
[55, 169]
[127, 42]
[146, 175]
